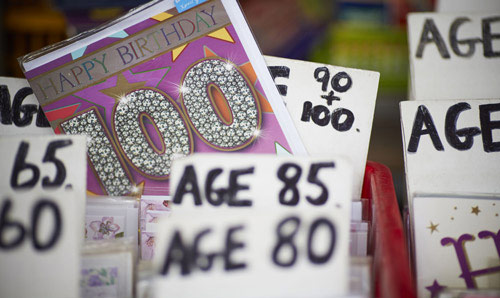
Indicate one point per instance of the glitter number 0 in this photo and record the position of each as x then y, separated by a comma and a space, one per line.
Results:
221, 104
130, 115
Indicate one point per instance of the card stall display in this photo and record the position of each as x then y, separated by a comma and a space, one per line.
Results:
171, 80
156, 85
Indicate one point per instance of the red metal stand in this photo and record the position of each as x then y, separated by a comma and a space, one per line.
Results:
386, 242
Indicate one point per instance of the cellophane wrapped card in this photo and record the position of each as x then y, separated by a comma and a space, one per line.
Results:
156, 85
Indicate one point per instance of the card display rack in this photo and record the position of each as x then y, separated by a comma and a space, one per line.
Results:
386, 239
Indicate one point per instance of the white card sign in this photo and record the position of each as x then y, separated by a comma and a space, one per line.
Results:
19, 109
451, 146
239, 181
332, 108
262, 213
457, 243
454, 56
252, 252
469, 6
41, 215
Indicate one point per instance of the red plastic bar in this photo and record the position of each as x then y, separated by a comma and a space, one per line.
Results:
387, 245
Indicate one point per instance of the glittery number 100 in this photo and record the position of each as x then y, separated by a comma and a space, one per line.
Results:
225, 125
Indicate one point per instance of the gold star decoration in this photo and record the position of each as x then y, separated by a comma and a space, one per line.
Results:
122, 87
433, 227
475, 210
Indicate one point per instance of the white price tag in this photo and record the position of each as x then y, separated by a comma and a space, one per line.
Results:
451, 146
239, 181
332, 108
454, 56
41, 215
252, 252
19, 109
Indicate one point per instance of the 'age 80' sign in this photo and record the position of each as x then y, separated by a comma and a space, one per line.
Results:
42, 201
252, 252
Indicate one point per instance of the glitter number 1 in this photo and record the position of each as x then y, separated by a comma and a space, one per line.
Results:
108, 166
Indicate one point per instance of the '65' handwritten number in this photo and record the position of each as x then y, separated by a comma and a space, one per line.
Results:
20, 164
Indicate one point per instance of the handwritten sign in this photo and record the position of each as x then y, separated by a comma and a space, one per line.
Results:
238, 181
332, 108
476, 6
241, 220
19, 109
451, 146
41, 215
252, 252
457, 241
454, 56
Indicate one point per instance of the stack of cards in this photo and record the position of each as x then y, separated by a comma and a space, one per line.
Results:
107, 269
152, 209
451, 140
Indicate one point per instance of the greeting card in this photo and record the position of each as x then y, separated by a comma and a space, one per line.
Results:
148, 245
457, 243
107, 269
111, 218
156, 85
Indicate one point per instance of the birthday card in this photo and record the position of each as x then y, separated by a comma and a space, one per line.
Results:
457, 243
161, 83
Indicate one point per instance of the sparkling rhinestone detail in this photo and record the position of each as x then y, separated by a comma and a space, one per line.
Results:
100, 152
167, 118
245, 111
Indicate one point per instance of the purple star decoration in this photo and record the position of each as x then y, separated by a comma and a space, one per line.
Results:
435, 289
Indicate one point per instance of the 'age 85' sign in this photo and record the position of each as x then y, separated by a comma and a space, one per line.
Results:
261, 180
41, 210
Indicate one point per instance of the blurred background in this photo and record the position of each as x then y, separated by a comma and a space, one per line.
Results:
366, 34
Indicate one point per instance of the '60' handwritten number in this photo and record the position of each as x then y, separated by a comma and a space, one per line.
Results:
23, 232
